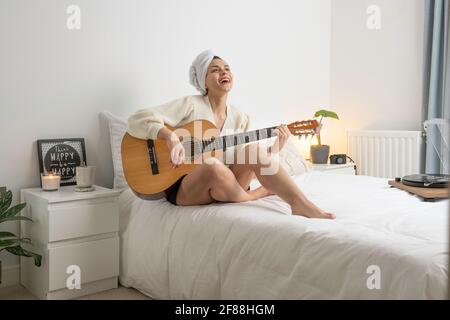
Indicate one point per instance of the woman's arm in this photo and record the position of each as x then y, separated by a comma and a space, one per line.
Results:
146, 123
150, 124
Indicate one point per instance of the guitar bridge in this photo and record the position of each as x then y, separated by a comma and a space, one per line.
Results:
152, 155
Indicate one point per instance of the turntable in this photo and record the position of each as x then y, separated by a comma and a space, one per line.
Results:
430, 187
427, 180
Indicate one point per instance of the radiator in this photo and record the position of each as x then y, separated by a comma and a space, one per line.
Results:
386, 154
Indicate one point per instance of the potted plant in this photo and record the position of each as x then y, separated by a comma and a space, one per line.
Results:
9, 241
320, 152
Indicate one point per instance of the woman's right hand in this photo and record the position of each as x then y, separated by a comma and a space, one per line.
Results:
176, 149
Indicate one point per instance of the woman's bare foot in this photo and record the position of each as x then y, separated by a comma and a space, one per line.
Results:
307, 209
259, 193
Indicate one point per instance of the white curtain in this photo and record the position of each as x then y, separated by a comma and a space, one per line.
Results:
437, 85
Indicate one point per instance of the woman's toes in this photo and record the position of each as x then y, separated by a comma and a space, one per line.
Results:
309, 210
329, 216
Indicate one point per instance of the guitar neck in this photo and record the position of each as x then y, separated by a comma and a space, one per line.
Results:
224, 142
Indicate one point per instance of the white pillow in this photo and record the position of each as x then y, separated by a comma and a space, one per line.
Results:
117, 129
291, 159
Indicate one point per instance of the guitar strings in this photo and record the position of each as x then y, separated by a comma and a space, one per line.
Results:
222, 142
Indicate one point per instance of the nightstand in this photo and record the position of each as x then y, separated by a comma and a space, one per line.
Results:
346, 168
72, 231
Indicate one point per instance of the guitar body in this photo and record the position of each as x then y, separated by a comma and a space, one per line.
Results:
149, 180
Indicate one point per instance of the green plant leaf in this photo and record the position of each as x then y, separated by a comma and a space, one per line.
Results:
7, 243
19, 251
11, 242
5, 201
326, 114
5, 234
11, 212
15, 219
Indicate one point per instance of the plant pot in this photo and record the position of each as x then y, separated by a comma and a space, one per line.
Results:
319, 154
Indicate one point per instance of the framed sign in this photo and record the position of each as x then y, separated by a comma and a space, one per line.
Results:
61, 156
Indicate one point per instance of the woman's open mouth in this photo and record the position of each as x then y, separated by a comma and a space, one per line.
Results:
224, 80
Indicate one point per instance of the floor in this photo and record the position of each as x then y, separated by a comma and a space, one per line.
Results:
121, 293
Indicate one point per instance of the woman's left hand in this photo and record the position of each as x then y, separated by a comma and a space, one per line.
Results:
283, 135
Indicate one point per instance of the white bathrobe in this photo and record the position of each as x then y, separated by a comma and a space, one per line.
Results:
145, 123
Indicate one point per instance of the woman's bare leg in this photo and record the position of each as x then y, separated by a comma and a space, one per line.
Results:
212, 182
244, 175
274, 178
215, 182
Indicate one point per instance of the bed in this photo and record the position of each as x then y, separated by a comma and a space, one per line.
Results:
384, 244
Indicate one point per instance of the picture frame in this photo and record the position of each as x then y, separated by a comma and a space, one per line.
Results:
61, 156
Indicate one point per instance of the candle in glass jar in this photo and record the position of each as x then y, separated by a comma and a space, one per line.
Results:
50, 182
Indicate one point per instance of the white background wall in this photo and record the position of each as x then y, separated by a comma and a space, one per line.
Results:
376, 75
134, 54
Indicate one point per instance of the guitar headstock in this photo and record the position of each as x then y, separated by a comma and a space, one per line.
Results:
304, 128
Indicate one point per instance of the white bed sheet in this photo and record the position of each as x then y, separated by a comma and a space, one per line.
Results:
258, 250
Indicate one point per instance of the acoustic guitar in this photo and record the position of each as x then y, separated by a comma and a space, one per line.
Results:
147, 166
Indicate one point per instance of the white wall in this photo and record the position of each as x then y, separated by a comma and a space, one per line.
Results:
134, 54
376, 75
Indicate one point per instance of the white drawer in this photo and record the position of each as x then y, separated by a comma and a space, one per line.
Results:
81, 219
97, 260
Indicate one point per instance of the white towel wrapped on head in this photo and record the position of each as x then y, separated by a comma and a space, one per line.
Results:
198, 70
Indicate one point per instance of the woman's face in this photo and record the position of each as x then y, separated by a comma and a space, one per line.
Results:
219, 78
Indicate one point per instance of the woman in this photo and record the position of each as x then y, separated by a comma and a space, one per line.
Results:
215, 181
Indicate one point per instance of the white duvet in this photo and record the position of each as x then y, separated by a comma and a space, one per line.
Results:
384, 244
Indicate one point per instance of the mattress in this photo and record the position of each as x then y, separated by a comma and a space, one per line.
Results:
384, 244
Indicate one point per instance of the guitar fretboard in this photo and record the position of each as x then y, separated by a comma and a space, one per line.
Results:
224, 142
